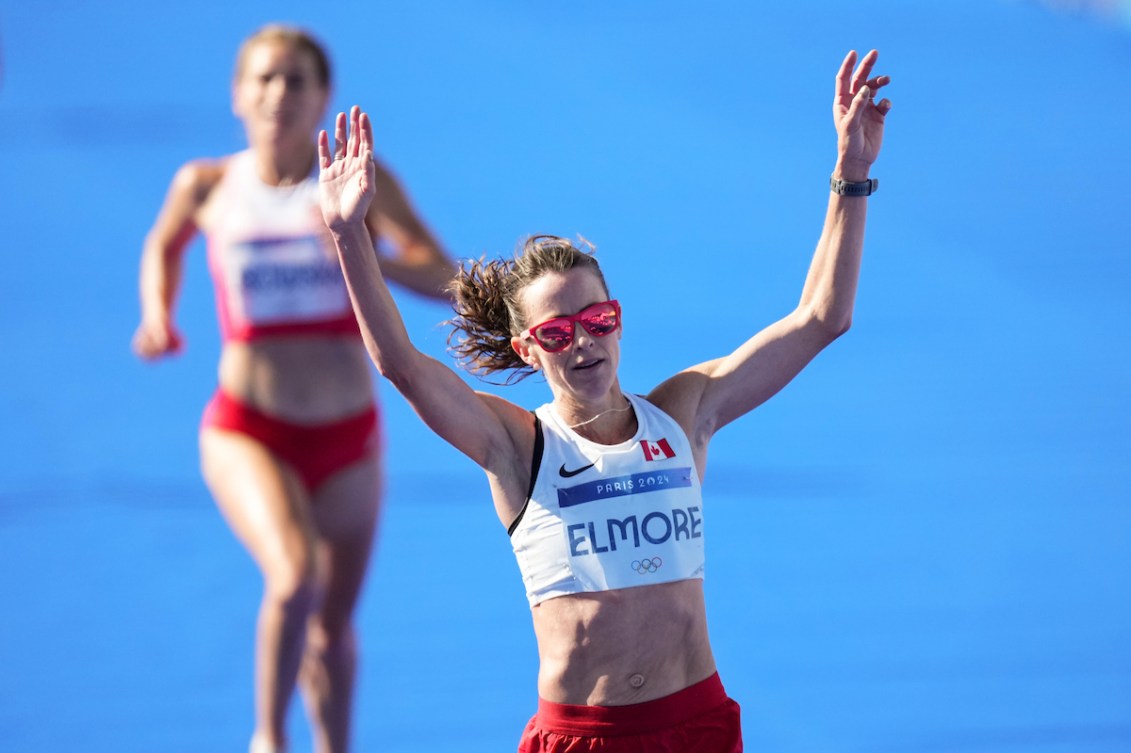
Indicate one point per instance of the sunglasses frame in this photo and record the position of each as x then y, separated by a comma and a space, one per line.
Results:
573, 320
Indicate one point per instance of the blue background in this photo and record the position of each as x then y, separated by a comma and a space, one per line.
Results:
923, 544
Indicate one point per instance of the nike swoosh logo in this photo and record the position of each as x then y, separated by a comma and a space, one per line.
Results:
568, 474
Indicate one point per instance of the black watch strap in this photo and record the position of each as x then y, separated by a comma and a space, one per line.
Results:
846, 188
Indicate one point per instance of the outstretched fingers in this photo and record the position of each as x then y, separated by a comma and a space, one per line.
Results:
366, 126
359, 143
851, 78
351, 141
353, 137
856, 87
324, 158
844, 78
340, 136
348, 171
863, 71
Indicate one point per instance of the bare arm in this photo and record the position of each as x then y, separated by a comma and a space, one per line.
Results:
710, 395
161, 259
494, 433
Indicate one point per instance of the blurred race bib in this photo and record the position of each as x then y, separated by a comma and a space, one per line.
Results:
284, 280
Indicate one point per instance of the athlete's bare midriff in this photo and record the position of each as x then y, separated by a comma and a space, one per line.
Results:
303, 379
614, 648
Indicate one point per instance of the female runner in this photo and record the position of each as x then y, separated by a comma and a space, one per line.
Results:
599, 488
290, 443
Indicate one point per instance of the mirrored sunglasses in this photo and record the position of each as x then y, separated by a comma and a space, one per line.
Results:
554, 335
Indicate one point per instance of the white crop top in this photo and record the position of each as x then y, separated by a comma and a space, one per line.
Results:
604, 517
274, 270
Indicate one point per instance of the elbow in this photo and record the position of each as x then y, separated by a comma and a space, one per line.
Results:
398, 377
830, 325
838, 326
388, 369
398, 371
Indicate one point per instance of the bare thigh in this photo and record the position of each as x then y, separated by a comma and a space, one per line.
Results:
346, 510
265, 504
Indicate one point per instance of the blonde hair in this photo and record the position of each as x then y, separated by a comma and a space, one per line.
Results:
292, 36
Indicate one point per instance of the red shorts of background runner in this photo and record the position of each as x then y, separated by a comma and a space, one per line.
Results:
698, 719
315, 452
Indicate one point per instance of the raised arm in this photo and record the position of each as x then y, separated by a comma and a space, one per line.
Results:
706, 397
488, 429
162, 259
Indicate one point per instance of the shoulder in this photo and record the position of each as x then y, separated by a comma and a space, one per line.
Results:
195, 180
657, 415
681, 397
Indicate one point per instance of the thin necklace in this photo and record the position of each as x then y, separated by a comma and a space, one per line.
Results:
602, 413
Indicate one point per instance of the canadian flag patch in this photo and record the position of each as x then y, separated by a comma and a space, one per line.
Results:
658, 450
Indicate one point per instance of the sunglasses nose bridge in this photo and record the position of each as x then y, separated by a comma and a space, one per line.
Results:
575, 330
582, 337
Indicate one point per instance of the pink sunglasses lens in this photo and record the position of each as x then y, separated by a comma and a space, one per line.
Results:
600, 321
555, 334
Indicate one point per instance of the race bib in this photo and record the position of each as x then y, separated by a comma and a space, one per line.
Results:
284, 280
630, 531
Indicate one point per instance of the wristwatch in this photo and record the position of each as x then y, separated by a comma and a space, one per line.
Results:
846, 188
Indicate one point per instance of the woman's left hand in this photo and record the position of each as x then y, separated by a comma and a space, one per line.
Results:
346, 182
859, 118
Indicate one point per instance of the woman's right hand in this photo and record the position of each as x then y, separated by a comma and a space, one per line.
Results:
155, 338
346, 181
859, 119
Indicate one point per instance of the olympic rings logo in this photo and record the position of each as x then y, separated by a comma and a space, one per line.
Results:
647, 566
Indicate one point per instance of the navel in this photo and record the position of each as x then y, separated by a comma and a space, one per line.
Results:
636, 681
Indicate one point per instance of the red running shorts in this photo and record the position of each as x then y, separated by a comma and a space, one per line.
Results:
315, 452
697, 719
